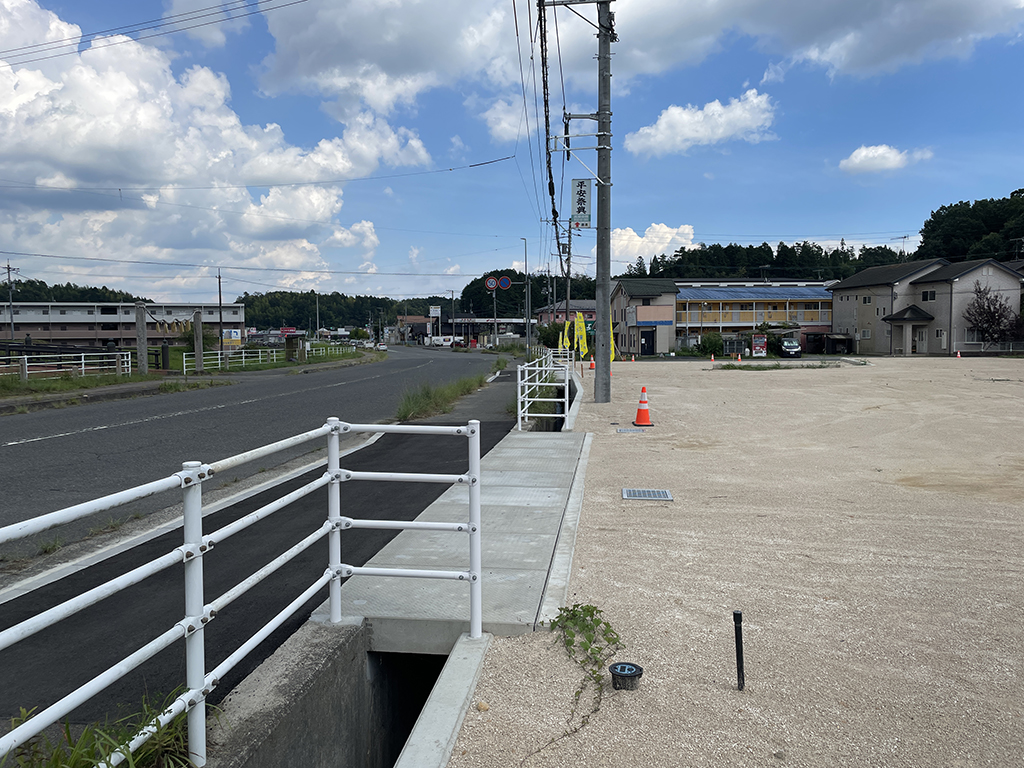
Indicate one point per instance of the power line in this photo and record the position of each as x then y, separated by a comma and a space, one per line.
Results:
73, 43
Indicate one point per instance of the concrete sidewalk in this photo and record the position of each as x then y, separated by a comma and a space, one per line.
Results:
867, 520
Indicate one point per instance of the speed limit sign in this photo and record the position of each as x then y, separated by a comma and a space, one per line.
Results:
491, 283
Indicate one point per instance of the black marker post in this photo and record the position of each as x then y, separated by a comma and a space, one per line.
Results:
737, 620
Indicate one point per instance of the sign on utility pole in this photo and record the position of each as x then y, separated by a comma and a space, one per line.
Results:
580, 218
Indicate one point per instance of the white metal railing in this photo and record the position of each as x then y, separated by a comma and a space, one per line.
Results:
534, 380
200, 682
56, 366
216, 360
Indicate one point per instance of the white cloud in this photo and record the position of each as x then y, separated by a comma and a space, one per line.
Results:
658, 239
119, 118
454, 269
747, 118
881, 157
203, 24
414, 254
504, 118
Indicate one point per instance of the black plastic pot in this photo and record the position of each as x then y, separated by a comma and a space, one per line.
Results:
625, 675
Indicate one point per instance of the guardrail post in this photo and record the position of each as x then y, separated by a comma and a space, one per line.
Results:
520, 397
476, 603
334, 515
195, 651
23, 368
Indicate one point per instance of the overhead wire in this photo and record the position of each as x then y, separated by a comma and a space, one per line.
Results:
111, 43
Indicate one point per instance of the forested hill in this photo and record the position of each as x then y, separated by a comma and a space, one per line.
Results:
38, 290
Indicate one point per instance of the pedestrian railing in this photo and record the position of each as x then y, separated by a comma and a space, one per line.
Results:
200, 681
978, 347
240, 358
538, 383
57, 366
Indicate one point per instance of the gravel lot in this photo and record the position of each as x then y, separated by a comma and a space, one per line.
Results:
868, 523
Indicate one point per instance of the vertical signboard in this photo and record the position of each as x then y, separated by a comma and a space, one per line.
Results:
580, 217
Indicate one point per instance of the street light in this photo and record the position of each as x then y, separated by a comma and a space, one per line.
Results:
526, 268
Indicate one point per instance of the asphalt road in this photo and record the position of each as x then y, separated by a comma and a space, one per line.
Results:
48, 665
52, 459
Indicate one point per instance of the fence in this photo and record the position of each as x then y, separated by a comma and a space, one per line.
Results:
977, 347
56, 366
534, 382
190, 479
240, 358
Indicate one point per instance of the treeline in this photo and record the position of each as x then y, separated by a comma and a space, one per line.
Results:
38, 290
964, 231
281, 309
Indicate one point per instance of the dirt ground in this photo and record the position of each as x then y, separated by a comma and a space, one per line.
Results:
867, 520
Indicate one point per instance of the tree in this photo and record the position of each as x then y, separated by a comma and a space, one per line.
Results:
990, 316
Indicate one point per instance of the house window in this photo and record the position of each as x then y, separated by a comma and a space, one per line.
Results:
46, 311
90, 312
169, 312
878, 311
645, 302
867, 299
938, 333
234, 311
63, 311
866, 333
126, 312
927, 296
63, 327
921, 335
888, 330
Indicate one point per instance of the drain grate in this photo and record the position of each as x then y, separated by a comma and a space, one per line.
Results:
628, 429
646, 493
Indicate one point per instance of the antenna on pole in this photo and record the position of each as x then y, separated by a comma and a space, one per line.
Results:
903, 245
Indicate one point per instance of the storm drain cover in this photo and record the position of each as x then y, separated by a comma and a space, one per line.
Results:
628, 429
646, 493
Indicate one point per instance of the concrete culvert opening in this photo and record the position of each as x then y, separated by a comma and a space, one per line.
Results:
403, 681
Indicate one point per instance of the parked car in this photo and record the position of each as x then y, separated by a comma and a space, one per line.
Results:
382, 347
458, 344
791, 348
367, 345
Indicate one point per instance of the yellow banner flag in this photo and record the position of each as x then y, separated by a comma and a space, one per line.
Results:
581, 335
611, 337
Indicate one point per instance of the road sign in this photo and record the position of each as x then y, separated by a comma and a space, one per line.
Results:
491, 283
505, 282
435, 311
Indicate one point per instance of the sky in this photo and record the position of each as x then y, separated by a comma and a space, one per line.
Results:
396, 147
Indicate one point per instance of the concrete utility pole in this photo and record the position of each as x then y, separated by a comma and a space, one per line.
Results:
10, 296
602, 324
141, 338
529, 317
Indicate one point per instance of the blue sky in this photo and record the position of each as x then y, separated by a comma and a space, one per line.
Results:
323, 145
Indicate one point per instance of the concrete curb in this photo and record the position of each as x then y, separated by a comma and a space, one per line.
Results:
556, 590
433, 737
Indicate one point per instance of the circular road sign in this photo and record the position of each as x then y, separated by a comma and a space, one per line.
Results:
491, 283
505, 282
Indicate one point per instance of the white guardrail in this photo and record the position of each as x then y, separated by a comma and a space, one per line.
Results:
240, 358
199, 681
56, 366
534, 379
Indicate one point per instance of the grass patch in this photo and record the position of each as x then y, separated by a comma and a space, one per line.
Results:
429, 400
51, 546
174, 385
774, 366
11, 386
112, 524
499, 365
95, 743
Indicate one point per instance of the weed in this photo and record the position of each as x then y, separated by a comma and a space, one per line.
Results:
499, 365
21, 409
51, 546
112, 524
429, 400
590, 641
95, 743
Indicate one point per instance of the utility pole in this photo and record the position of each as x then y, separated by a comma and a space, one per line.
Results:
10, 296
220, 306
602, 325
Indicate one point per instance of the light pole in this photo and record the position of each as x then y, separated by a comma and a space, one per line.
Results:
526, 268
452, 292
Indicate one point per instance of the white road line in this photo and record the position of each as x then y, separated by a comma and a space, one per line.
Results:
194, 411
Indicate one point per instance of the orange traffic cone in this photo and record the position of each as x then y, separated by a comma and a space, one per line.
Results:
592, 366
643, 414
632, 358
712, 357
958, 354
739, 358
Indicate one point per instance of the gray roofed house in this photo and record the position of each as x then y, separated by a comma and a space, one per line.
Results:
917, 307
